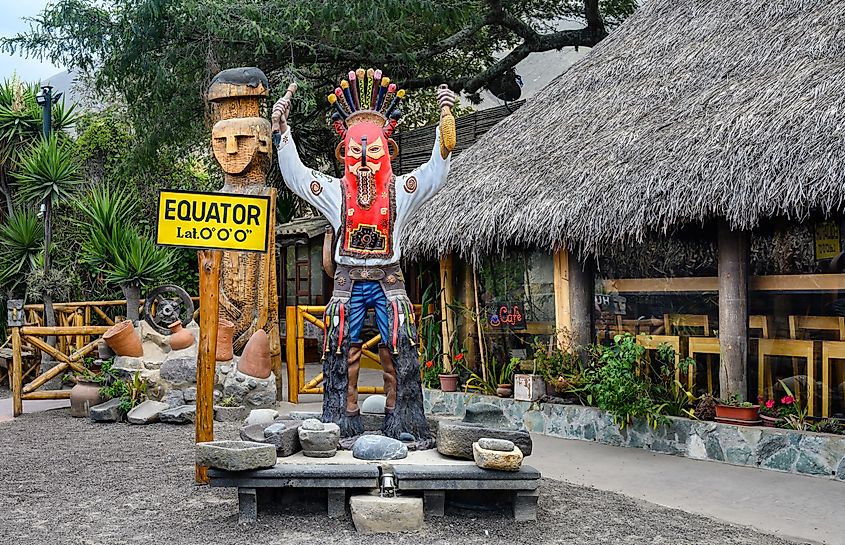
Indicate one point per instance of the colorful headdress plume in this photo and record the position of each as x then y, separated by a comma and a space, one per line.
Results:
367, 95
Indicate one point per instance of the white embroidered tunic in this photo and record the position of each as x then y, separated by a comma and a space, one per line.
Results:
324, 193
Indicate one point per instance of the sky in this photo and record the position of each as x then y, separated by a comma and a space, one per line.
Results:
11, 22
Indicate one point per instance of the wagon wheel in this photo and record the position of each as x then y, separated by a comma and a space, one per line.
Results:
166, 304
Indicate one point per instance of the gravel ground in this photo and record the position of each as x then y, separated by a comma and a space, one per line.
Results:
5, 392
67, 481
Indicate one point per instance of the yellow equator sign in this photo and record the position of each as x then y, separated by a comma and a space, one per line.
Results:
224, 221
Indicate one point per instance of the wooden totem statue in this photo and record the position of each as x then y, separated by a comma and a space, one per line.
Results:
241, 142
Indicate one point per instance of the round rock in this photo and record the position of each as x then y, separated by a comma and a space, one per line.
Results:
312, 424
379, 447
374, 404
261, 416
500, 445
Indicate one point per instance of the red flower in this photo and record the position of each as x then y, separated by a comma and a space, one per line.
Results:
429, 364
787, 400
459, 357
770, 404
759, 399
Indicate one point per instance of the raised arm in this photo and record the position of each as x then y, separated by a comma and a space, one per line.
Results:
318, 189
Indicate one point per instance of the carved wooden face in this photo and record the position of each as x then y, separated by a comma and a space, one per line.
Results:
238, 142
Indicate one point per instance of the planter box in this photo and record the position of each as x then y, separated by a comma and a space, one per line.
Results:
528, 387
800, 452
740, 416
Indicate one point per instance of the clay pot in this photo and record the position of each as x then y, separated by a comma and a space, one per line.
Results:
769, 421
180, 337
504, 390
739, 416
121, 338
448, 382
255, 359
225, 333
83, 396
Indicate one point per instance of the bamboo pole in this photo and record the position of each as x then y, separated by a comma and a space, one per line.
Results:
50, 394
103, 315
67, 330
40, 380
85, 350
300, 346
446, 295
209, 272
290, 354
481, 342
17, 372
44, 347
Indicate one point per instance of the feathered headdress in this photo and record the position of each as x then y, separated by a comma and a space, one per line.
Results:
366, 96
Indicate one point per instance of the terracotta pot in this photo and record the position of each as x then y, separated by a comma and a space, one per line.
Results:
121, 338
740, 416
180, 338
83, 396
448, 382
255, 359
504, 390
769, 421
225, 333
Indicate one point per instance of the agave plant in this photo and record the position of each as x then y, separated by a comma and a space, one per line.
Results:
21, 244
48, 171
125, 256
136, 261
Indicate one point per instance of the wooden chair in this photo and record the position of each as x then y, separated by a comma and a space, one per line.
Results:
800, 325
831, 350
761, 322
685, 322
654, 342
789, 348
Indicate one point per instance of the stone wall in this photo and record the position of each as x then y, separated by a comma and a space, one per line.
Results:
805, 453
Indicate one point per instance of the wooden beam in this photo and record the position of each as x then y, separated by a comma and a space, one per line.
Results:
209, 272
774, 282
17, 372
48, 394
733, 311
447, 275
469, 321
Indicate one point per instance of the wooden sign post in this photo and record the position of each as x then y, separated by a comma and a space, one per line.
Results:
209, 268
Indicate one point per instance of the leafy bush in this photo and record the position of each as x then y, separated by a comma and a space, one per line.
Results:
616, 387
558, 364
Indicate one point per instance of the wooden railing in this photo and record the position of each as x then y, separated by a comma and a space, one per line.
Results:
34, 337
296, 316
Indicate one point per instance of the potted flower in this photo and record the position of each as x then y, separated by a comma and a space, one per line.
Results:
449, 381
732, 410
773, 412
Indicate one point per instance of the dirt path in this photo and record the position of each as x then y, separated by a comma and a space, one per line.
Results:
67, 481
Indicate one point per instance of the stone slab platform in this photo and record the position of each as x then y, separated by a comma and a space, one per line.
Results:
425, 472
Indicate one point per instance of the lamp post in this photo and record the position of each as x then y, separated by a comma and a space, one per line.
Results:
46, 99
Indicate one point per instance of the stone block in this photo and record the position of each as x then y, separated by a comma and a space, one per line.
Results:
319, 440
183, 414
253, 433
190, 394
250, 391
179, 369
379, 447
502, 445
525, 505
261, 416
376, 515
497, 459
456, 438
230, 414
487, 414
106, 412
374, 404
235, 455
146, 412
284, 436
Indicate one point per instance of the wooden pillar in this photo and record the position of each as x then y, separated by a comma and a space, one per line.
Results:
563, 311
733, 311
574, 295
17, 373
290, 354
447, 268
209, 271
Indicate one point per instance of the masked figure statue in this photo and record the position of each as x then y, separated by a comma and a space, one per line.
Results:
366, 209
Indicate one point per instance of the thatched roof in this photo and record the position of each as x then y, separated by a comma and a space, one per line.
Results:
692, 109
